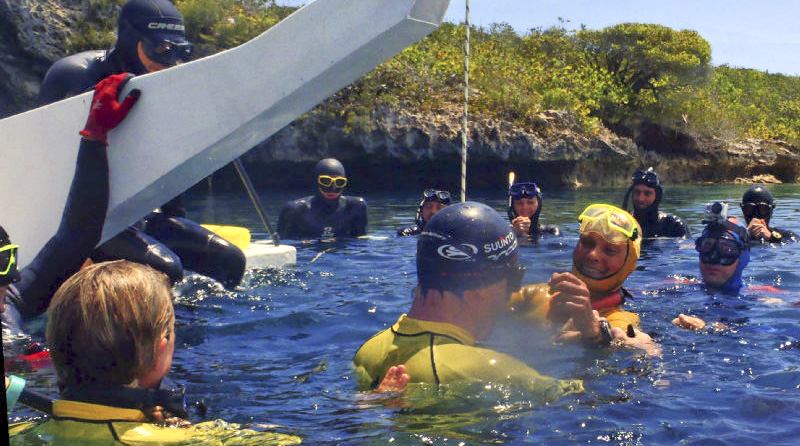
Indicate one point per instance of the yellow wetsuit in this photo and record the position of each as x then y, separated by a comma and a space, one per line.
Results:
77, 423
533, 302
441, 353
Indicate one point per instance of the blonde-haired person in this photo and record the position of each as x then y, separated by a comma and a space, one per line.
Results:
588, 301
111, 331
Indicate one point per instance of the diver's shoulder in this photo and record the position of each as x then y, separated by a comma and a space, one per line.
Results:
354, 201
299, 203
75, 63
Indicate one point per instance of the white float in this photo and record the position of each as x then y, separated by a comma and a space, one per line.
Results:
195, 118
263, 254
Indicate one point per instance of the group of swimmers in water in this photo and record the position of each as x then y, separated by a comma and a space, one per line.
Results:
111, 320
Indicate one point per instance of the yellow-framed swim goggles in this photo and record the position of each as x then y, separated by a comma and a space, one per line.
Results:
8, 261
614, 224
329, 181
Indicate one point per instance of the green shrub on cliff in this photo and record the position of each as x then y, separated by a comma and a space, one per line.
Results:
98, 29
623, 74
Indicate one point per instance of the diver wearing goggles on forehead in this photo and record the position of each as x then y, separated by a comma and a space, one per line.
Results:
757, 207
588, 301
524, 209
433, 201
327, 214
646, 193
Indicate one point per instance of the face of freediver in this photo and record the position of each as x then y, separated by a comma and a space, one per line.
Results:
331, 187
643, 196
597, 258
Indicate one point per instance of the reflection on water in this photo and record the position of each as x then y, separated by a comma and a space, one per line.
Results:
278, 349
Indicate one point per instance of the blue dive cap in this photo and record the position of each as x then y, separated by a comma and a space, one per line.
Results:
467, 246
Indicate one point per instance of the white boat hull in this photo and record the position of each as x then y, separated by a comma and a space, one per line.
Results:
195, 118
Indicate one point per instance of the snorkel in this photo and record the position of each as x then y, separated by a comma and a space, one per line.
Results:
617, 227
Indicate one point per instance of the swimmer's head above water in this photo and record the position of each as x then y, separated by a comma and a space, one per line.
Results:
467, 257
433, 201
331, 178
757, 202
608, 248
724, 252
524, 200
645, 190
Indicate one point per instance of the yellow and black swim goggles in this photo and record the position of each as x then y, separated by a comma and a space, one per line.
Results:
613, 223
8, 264
329, 181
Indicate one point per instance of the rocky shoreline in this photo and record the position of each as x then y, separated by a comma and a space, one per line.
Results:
403, 146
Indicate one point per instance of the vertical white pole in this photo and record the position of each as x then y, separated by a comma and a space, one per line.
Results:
465, 123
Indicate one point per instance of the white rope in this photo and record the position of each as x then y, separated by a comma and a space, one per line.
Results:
465, 123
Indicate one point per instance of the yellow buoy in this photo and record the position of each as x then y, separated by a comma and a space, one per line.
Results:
237, 235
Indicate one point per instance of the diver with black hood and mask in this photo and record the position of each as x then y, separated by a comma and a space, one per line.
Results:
150, 37
433, 201
524, 209
757, 206
327, 214
646, 193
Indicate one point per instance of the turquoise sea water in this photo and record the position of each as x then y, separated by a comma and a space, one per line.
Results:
278, 350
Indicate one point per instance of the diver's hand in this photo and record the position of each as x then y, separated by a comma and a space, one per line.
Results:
572, 300
107, 112
587, 330
521, 225
758, 229
689, 322
640, 340
395, 380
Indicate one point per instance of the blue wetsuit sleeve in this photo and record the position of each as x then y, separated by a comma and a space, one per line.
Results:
79, 232
360, 222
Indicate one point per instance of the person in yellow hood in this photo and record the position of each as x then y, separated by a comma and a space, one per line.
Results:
589, 300
111, 331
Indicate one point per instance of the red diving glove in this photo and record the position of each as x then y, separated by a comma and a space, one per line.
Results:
107, 112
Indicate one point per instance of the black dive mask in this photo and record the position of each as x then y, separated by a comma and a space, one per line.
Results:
647, 177
166, 52
757, 210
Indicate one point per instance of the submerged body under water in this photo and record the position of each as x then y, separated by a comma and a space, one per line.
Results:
277, 351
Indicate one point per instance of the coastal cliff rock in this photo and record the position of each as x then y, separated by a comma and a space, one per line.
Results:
33, 34
402, 146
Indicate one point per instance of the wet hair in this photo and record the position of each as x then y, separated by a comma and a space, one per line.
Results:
105, 323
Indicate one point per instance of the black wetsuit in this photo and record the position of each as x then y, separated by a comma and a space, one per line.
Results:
778, 236
165, 240
539, 230
314, 217
77, 235
655, 223
409, 231
536, 230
